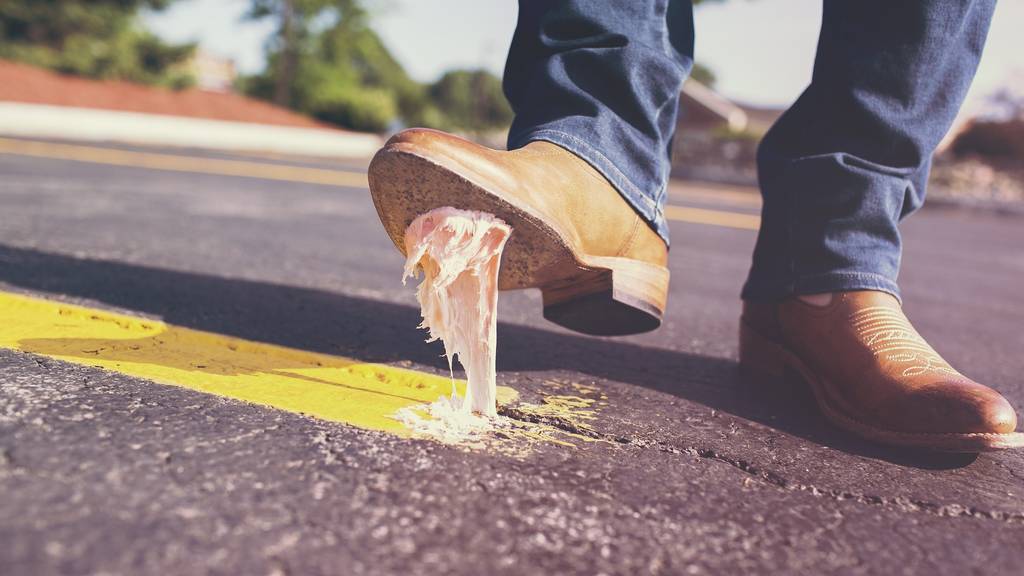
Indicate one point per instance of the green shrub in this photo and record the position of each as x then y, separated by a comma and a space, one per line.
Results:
98, 39
366, 109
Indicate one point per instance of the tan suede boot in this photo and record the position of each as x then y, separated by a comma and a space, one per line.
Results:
601, 268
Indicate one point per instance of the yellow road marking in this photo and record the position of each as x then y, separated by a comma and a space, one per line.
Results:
733, 195
176, 163
289, 174
320, 385
713, 217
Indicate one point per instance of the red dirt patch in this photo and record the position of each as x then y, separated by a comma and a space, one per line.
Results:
21, 83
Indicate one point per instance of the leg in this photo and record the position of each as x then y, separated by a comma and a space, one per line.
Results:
850, 159
602, 80
838, 172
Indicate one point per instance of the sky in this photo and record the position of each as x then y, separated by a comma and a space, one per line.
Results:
762, 51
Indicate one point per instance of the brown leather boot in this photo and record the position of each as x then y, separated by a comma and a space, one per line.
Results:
601, 268
872, 373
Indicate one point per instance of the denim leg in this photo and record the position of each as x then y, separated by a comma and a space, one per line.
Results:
602, 79
850, 158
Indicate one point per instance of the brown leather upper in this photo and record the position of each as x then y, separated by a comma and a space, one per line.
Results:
877, 369
556, 185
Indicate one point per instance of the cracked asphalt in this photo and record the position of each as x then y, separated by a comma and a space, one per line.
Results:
690, 469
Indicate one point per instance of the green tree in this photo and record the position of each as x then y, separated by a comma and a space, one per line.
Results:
471, 100
95, 38
294, 20
327, 61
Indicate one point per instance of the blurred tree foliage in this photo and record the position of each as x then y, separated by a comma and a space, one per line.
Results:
95, 38
326, 60
703, 74
471, 100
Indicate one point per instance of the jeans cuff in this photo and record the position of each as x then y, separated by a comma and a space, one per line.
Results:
645, 205
845, 282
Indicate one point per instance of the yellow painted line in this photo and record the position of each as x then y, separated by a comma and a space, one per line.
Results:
713, 217
176, 163
321, 385
720, 195
289, 174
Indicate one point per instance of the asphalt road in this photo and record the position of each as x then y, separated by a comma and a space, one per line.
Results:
688, 469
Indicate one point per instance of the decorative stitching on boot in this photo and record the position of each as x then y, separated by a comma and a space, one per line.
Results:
889, 334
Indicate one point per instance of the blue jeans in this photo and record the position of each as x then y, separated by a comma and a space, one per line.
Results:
838, 171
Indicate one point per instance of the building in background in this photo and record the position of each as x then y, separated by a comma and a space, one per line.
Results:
716, 138
212, 73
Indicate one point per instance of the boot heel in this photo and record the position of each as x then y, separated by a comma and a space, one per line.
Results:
759, 356
614, 297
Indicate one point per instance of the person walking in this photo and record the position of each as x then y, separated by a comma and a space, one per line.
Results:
595, 90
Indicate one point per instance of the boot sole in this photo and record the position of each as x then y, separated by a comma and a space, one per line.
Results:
761, 357
603, 296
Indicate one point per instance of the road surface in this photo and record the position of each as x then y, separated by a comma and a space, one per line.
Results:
667, 463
